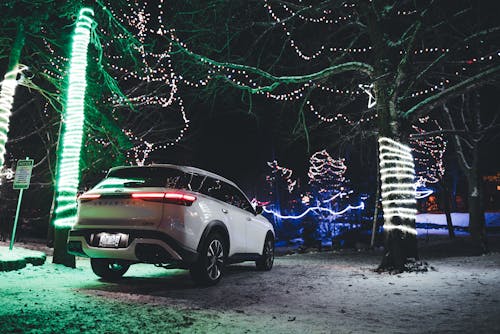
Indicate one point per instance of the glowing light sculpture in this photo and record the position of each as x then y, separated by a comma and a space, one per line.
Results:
397, 172
371, 98
70, 142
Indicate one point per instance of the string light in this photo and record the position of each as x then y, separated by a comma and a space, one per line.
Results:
156, 67
284, 172
428, 151
398, 187
326, 170
340, 194
8, 89
361, 206
159, 66
68, 171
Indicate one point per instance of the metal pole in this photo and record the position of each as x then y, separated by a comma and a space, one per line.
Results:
13, 236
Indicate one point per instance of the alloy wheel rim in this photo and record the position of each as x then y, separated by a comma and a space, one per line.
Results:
269, 253
215, 257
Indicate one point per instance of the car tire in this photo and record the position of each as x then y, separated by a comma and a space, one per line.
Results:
266, 260
109, 269
209, 268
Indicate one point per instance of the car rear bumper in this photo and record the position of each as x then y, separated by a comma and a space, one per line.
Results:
140, 246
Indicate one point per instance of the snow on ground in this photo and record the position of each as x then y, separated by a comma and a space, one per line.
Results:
460, 219
18, 257
329, 292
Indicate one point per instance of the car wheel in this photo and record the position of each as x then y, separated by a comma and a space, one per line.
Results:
109, 269
209, 268
266, 261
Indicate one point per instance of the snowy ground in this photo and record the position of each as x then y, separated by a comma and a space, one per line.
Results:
459, 219
330, 292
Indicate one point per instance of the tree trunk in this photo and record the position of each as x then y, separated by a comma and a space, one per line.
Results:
61, 255
399, 205
477, 222
375, 211
397, 170
8, 88
447, 210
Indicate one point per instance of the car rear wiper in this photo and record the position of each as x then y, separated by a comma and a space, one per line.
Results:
135, 184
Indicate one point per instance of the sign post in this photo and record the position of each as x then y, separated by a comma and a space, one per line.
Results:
21, 181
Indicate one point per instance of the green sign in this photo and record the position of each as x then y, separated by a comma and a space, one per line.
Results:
23, 174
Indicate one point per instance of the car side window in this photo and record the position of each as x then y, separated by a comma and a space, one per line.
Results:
236, 198
213, 188
225, 192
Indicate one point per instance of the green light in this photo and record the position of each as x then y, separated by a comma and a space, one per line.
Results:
8, 89
68, 171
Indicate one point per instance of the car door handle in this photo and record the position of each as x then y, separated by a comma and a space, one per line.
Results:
224, 210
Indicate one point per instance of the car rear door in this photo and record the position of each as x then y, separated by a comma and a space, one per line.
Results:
244, 213
235, 222
255, 230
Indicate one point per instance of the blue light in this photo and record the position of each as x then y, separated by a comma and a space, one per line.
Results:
361, 206
423, 193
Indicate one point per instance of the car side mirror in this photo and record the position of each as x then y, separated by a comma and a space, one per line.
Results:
258, 210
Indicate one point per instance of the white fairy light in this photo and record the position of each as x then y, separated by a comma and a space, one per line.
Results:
398, 188
285, 173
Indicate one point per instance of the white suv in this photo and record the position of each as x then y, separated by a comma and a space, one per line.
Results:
172, 216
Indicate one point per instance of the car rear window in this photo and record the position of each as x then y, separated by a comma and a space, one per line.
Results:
135, 177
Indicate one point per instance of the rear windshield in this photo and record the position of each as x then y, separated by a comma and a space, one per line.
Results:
135, 177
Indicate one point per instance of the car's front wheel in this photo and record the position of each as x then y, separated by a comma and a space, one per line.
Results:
109, 269
265, 262
209, 268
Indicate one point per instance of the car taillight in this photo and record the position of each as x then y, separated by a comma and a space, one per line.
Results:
179, 198
88, 197
169, 197
148, 195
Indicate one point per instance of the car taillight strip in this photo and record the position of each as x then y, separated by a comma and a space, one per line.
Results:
89, 196
148, 195
169, 197
177, 196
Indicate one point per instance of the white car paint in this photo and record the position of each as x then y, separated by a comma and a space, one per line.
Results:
115, 211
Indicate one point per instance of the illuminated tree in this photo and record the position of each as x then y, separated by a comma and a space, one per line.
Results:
327, 174
402, 58
402, 55
429, 146
279, 172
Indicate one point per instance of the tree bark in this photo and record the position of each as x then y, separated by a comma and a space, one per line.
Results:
375, 211
398, 193
447, 210
470, 168
477, 222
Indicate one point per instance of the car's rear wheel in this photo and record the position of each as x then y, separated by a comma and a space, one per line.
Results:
266, 261
109, 269
209, 268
